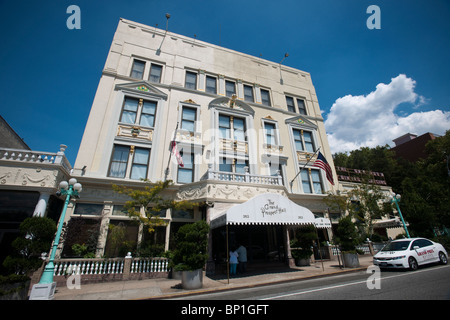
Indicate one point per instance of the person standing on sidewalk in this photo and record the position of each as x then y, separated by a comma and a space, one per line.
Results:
242, 258
233, 261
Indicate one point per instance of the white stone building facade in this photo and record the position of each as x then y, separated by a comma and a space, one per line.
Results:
244, 126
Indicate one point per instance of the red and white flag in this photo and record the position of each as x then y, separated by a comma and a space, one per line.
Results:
177, 154
322, 163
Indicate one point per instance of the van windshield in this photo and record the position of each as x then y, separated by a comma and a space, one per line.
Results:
397, 246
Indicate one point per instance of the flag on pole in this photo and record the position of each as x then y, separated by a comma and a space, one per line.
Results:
177, 154
322, 163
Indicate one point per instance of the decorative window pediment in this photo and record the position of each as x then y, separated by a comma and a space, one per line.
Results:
227, 103
142, 87
301, 121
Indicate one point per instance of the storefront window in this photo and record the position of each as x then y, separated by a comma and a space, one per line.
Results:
88, 209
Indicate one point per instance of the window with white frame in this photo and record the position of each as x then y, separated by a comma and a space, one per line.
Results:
248, 93
119, 161
139, 165
265, 97
137, 70
233, 164
290, 104
301, 106
155, 73
230, 88
303, 140
126, 159
270, 131
296, 104
312, 181
275, 169
90, 209
191, 80
231, 127
138, 111
119, 210
211, 84
186, 173
188, 118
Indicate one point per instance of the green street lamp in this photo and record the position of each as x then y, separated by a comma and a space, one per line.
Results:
46, 286
395, 198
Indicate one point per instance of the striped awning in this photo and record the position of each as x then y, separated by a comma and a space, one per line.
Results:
390, 223
268, 209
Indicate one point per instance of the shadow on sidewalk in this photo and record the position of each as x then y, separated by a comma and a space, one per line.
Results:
256, 270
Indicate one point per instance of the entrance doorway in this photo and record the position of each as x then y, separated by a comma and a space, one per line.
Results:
264, 243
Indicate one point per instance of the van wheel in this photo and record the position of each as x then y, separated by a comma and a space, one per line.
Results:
412, 264
442, 258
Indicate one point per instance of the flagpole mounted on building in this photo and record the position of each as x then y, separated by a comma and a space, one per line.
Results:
173, 150
292, 181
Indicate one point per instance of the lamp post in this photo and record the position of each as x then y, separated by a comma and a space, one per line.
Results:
395, 198
46, 287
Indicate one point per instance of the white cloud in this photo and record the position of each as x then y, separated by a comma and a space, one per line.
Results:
369, 121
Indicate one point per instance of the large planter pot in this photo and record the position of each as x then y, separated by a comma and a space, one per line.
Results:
192, 279
176, 275
301, 262
350, 260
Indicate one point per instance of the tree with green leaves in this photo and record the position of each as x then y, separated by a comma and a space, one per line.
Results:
364, 203
425, 201
370, 204
424, 185
154, 198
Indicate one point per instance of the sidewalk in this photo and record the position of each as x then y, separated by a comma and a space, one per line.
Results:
164, 288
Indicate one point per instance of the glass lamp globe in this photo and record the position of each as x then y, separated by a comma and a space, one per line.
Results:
77, 186
64, 185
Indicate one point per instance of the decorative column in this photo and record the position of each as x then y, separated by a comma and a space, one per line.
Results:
210, 264
41, 206
60, 154
104, 225
290, 259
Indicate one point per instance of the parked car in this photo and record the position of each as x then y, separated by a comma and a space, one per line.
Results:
410, 254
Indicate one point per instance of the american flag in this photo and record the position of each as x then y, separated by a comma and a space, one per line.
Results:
177, 154
322, 163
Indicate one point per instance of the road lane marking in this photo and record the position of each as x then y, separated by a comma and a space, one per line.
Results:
348, 284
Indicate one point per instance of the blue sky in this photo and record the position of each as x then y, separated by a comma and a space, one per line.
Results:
372, 85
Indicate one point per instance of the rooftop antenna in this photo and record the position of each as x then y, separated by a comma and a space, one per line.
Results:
154, 33
281, 76
158, 52
285, 56
167, 22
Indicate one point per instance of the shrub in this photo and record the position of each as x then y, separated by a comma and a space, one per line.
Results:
347, 236
36, 236
191, 251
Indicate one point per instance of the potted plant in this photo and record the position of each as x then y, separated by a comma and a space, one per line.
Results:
191, 253
302, 244
347, 238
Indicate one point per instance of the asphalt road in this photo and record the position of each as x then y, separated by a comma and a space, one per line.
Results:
427, 283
